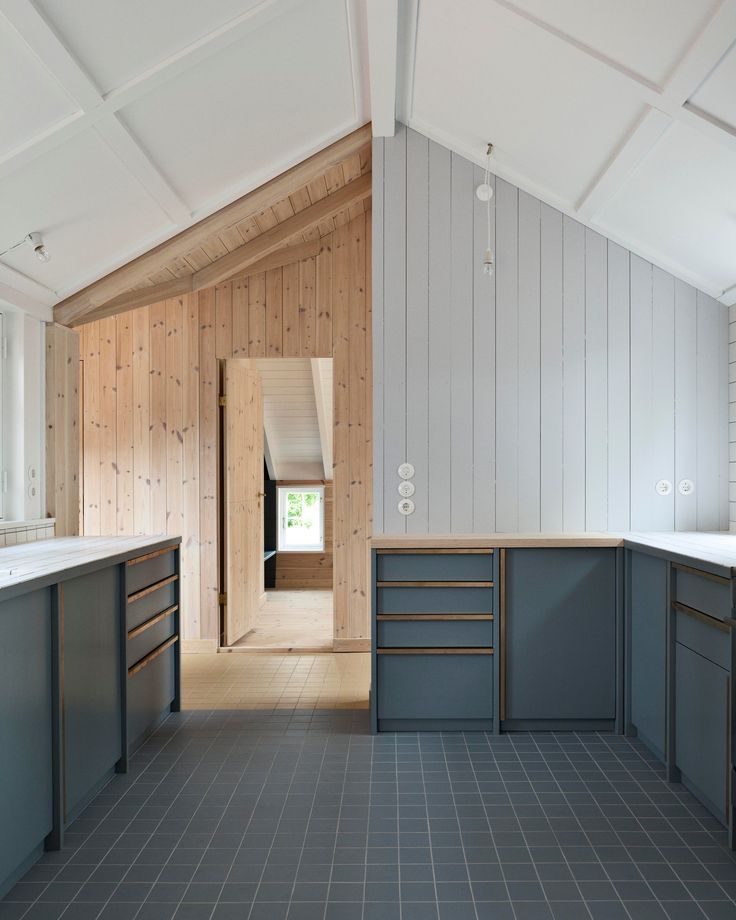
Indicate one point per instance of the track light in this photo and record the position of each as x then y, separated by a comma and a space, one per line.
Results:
42, 253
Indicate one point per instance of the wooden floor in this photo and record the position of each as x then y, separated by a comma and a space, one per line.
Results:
254, 680
292, 621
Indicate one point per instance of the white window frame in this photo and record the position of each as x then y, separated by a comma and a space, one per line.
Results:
309, 548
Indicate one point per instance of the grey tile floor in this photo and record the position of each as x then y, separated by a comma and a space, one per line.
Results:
305, 816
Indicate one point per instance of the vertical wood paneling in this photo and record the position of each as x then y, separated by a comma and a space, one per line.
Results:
642, 483
377, 327
461, 347
62, 428
224, 320
141, 421
662, 428
529, 398
190, 386
573, 375
240, 318
551, 357
619, 386
708, 391
307, 309
174, 461
290, 306
158, 417
108, 427
686, 358
596, 382
274, 312
323, 295
417, 323
257, 316
438, 385
208, 475
124, 425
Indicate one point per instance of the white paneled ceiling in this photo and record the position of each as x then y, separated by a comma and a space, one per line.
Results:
622, 113
122, 123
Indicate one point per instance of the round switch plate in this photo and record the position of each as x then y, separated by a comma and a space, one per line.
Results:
406, 488
406, 471
406, 506
663, 487
685, 487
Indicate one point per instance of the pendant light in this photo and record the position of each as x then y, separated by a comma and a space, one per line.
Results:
484, 193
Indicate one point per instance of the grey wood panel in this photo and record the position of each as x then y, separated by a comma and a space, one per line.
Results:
461, 346
619, 389
440, 311
529, 394
378, 238
417, 324
515, 423
551, 355
507, 356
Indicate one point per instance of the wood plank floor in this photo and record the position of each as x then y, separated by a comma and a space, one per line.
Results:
254, 680
292, 621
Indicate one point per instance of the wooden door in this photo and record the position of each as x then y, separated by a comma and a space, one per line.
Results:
242, 497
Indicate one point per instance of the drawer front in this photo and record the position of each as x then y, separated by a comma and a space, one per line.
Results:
435, 600
434, 634
709, 640
434, 567
434, 686
150, 692
144, 642
140, 575
703, 593
148, 606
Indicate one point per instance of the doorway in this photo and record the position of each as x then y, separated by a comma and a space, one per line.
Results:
277, 505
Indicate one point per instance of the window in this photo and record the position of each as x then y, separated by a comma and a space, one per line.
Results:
301, 519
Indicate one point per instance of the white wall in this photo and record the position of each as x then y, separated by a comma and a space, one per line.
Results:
552, 397
732, 418
23, 415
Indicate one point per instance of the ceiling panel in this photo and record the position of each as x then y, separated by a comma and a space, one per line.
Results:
89, 209
117, 40
647, 37
717, 95
676, 204
233, 120
554, 113
31, 100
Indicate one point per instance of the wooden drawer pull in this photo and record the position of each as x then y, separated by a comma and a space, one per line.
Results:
132, 633
149, 590
434, 584
703, 617
439, 617
152, 656
434, 651
720, 579
153, 555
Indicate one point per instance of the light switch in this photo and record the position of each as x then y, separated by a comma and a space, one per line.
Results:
406, 471
406, 488
663, 487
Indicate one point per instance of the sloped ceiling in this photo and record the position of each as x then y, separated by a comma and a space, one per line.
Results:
622, 113
123, 123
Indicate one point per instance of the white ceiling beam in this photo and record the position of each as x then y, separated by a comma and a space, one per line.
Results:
383, 23
705, 51
324, 415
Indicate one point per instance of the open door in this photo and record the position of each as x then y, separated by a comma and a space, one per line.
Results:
242, 498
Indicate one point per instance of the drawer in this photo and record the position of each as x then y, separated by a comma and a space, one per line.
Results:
434, 566
146, 571
395, 633
410, 599
704, 592
709, 639
150, 604
440, 686
146, 638
150, 693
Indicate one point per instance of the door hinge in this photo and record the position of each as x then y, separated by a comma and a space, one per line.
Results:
222, 600
222, 402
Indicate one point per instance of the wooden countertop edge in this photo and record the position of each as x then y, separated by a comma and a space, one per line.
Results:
495, 540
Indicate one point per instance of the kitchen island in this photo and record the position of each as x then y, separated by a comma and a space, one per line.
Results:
89, 664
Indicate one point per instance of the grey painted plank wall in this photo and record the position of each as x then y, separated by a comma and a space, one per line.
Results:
551, 397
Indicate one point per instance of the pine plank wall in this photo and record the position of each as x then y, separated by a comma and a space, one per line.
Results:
150, 415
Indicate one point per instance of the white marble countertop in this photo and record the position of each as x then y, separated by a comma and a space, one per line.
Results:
42, 562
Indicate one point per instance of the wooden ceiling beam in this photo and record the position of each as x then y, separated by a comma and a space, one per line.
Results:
155, 293
244, 256
72, 310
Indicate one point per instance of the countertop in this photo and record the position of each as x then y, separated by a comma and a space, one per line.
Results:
46, 562
715, 552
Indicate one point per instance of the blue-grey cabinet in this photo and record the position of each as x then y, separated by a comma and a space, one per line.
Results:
91, 683
647, 585
560, 650
26, 698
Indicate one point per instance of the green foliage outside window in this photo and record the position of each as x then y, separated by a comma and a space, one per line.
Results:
297, 505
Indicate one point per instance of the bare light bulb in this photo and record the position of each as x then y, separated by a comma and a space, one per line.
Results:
42, 253
488, 263
484, 192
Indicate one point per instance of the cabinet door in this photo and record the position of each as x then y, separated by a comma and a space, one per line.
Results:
701, 727
648, 623
560, 626
92, 705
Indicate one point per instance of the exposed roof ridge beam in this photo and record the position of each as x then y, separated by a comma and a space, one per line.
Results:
122, 279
